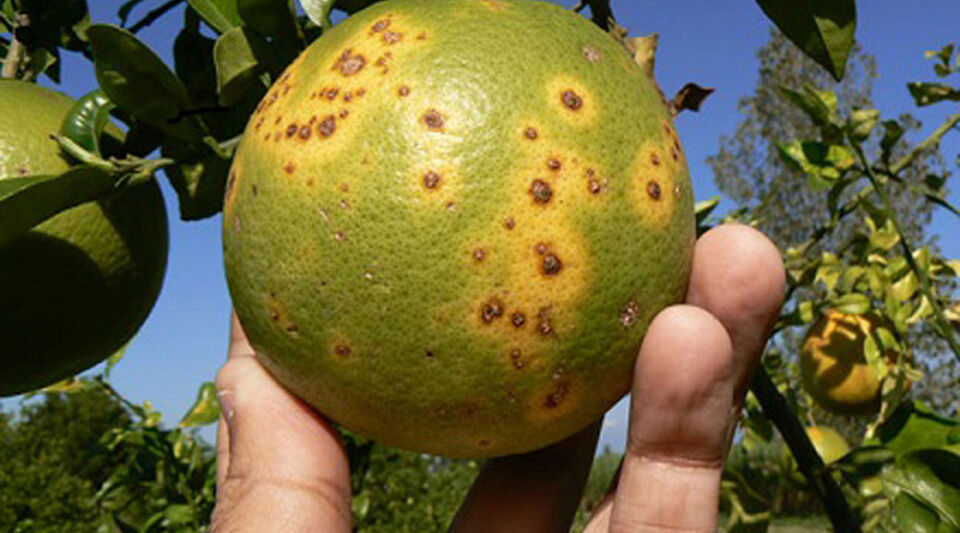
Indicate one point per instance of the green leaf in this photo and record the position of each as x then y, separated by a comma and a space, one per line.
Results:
318, 11
272, 18
861, 123
237, 64
205, 410
113, 360
28, 201
823, 163
914, 426
820, 106
69, 386
893, 132
852, 303
200, 184
222, 15
925, 94
931, 480
140, 83
86, 120
823, 29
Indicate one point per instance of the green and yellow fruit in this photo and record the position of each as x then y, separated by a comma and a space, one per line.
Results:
450, 222
833, 367
75, 288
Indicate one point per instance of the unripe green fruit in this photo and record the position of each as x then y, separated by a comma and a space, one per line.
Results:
74, 289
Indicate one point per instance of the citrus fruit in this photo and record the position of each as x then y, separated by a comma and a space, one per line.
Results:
833, 367
449, 223
74, 289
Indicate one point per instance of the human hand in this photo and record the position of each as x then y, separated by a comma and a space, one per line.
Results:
282, 467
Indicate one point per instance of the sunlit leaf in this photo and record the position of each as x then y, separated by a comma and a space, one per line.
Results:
852, 303
222, 15
823, 29
927, 487
925, 94
237, 64
206, 408
914, 426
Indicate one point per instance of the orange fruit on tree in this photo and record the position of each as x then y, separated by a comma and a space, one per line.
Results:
449, 223
833, 368
75, 288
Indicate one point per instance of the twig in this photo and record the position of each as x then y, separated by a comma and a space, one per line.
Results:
927, 143
811, 465
16, 52
921, 274
152, 16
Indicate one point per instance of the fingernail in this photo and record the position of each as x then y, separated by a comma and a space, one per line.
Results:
225, 398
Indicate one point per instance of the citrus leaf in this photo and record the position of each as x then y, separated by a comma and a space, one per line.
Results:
205, 410
272, 18
28, 201
893, 131
862, 122
925, 94
930, 478
200, 184
318, 11
86, 120
113, 360
140, 83
914, 426
237, 65
820, 106
823, 29
222, 15
852, 303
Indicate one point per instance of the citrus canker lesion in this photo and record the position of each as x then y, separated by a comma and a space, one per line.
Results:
75, 288
495, 273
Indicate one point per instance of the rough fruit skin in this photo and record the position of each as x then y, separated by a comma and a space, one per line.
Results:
833, 368
74, 289
450, 222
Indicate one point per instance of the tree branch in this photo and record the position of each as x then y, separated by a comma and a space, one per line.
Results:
152, 16
927, 143
16, 53
808, 460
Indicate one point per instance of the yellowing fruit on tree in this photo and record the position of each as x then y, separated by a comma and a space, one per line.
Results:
74, 289
449, 223
833, 367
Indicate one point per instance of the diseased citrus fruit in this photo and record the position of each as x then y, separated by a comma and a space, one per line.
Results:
449, 223
833, 367
75, 288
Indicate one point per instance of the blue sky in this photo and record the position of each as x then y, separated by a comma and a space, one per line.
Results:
183, 342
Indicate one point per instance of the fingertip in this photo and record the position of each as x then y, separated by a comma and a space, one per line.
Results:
737, 270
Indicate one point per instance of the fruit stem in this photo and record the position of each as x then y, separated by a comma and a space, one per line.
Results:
946, 331
776, 409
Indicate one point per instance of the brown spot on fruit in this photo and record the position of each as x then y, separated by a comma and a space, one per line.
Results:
349, 64
571, 100
431, 180
628, 315
380, 25
554, 164
530, 133
541, 248
292, 130
518, 319
653, 189
429, 354
231, 180
479, 255
392, 37
360, 92
344, 204
654, 158
403, 91
305, 132
557, 395
491, 311
433, 119
541, 191
289, 167
344, 186
331, 93
592, 54
515, 358
484, 443
674, 153
254, 190
593, 185
340, 236
344, 113
341, 350
544, 326
551, 265
292, 330
421, 36
327, 126
509, 223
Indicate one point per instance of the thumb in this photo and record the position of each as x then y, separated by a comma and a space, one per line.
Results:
281, 466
